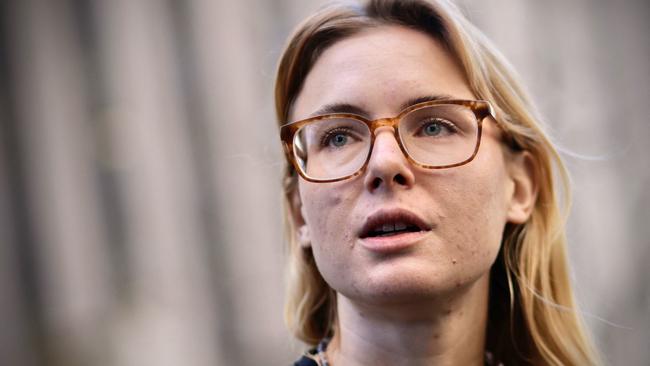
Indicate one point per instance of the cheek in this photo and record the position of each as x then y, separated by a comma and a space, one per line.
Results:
326, 210
475, 212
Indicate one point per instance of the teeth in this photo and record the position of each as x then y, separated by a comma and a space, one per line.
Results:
388, 227
393, 226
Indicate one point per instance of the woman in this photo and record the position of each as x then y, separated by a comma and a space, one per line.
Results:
421, 202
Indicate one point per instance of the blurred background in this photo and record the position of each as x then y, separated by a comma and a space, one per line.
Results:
140, 204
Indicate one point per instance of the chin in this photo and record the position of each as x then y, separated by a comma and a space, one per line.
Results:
410, 280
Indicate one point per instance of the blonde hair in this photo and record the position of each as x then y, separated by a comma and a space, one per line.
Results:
533, 317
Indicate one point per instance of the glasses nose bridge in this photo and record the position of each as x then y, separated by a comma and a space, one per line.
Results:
384, 122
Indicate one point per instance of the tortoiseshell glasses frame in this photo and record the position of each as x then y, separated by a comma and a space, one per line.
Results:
480, 108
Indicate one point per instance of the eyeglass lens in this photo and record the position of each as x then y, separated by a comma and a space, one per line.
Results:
433, 136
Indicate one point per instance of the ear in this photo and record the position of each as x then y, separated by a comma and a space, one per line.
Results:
302, 230
522, 168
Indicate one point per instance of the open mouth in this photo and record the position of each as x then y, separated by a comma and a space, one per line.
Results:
392, 223
390, 229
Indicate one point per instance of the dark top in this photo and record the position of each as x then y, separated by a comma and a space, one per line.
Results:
310, 357
305, 361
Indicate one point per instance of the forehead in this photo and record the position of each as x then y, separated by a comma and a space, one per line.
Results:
378, 70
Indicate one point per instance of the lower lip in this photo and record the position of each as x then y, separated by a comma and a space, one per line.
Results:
393, 243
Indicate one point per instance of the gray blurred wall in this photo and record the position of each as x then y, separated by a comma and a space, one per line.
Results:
140, 218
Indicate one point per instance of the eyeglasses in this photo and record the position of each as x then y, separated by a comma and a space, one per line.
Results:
433, 135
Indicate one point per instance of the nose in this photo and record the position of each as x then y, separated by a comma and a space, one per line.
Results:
388, 168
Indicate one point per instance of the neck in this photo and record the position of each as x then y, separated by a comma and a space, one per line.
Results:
447, 330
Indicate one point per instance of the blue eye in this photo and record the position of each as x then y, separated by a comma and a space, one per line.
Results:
437, 127
432, 129
338, 140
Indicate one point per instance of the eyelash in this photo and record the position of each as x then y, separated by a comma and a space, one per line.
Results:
451, 126
324, 141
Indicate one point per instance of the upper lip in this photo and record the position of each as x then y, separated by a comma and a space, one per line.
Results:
392, 216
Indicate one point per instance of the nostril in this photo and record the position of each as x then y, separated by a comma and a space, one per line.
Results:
376, 183
399, 179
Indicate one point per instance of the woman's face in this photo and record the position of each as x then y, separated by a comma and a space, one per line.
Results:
461, 211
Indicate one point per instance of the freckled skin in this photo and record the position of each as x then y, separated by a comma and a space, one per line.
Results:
378, 70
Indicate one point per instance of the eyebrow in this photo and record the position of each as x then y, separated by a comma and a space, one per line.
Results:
425, 98
342, 107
